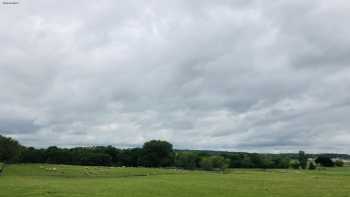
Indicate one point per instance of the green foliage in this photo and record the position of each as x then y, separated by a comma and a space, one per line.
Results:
280, 162
32, 155
135, 157
157, 153
339, 163
154, 153
302, 159
254, 160
247, 162
96, 159
186, 160
220, 162
206, 163
325, 161
214, 163
294, 164
10, 149
129, 157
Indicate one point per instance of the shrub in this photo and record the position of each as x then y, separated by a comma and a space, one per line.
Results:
220, 162
339, 163
214, 162
206, 163
325, 161
96, 159
294, 164
186, 160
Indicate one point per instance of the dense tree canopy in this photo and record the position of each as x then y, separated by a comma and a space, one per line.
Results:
154, 153
295, 164
157, 153
186, 160
9, 149
325, 161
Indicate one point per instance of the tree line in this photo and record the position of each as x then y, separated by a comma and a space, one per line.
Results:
155, 153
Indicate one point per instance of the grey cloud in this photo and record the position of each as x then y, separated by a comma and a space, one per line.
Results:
231, 75
9, 126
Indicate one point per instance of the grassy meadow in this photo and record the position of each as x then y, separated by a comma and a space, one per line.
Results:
35, 180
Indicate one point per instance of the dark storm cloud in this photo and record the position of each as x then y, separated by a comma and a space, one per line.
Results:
234, 75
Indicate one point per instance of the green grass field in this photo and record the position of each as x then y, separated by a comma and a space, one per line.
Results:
35, 180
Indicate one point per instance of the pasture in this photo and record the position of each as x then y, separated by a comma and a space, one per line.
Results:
36, 180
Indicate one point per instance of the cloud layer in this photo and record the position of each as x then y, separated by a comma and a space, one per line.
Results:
239, 75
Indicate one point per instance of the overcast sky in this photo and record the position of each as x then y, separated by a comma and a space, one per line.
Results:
240, 75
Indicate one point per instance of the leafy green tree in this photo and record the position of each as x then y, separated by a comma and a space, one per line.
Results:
256, 160
58, 155
262, 161
294, 164
325, 161
91, 158
235, 160
280, 162
186, 160
130, 157
247, 162
219, 162
157, 153
302, 159
206, 163
32, 155
112, 152
214, 163
10, 149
